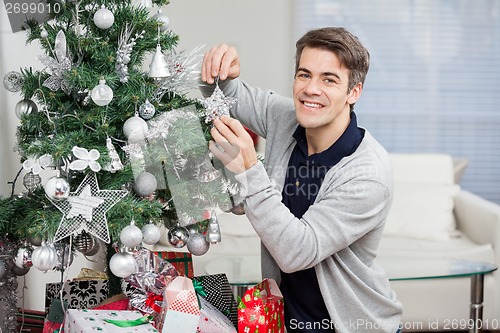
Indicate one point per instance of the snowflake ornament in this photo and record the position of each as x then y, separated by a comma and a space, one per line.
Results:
217, 105
85, 159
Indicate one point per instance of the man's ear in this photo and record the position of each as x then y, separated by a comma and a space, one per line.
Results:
355, 93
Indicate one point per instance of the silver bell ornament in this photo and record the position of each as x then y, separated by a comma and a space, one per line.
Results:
150, 234
44, 257
102, 94
57, 188
178, 236
147, 110
135, 129
13, 81
145, 184
163, 21
158, 69
23, 258
197, 244
25, 106
104, 18
213, 231
122, 264
131, 235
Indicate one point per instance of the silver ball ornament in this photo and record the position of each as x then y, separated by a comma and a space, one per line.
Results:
135, 127
178, 236
102, 94
25, 106
31, 181
84, 242
44, 257
198, 245
57, 188
163, 21
131, 236
147, 110
145, 184
13, 81
122, 264
23, 258
104, 18
150, 234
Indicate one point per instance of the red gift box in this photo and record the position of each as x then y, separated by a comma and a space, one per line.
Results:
182, 261
261, 309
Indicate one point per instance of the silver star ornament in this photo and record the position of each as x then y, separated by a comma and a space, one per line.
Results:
217, 105
85, 210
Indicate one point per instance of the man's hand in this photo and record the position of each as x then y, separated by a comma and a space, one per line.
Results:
222, 61
233, 145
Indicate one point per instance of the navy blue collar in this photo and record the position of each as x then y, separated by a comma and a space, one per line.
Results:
345, 145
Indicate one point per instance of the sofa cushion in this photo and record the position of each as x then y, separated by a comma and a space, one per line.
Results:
432, 168
422, 211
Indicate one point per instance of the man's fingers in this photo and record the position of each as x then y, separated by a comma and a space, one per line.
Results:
224, 151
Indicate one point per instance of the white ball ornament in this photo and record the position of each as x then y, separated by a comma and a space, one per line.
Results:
198, 245
150, 234
135, 126
57, 188
25, 106
44, 257
104, 18
163, 21
122, 264
145, 184
102, 94
131, 236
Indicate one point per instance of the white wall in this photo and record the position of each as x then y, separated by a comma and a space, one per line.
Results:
260, 30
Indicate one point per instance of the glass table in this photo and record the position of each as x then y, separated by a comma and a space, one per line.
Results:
399, 269
244, 271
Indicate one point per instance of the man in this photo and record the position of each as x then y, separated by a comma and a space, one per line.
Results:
320, 204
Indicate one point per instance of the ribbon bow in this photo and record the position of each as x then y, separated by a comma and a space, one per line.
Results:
151, 302
198, 287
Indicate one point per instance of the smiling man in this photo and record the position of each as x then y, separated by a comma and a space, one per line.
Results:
320, 203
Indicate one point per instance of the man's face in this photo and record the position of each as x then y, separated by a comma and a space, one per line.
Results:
320, 92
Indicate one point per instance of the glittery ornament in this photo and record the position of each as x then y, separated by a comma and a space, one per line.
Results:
102, 94
147, 110
150, 234
31, 181
115, 164
57, 188
13, 81
197, 245
104, 18
125, 44
122, 264
163, 21
178, 236
217, 105
23, 258
25, 106
131, 236
59, 64
213, 231
44, 257
135, 127
84, 242
145, 184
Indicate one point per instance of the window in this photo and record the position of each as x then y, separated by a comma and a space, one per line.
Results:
434, 79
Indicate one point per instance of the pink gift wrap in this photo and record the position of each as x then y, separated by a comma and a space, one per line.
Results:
86, 321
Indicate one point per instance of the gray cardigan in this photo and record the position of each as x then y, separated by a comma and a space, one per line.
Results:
340, 232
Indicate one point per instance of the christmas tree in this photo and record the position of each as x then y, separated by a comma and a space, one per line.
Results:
122, 143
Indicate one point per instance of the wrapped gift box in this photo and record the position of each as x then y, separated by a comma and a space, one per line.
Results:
78, 294
83, 321
182, 261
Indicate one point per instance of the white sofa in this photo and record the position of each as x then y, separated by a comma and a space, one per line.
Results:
432, 218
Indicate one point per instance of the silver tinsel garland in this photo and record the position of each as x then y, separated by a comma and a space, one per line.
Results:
8, 287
